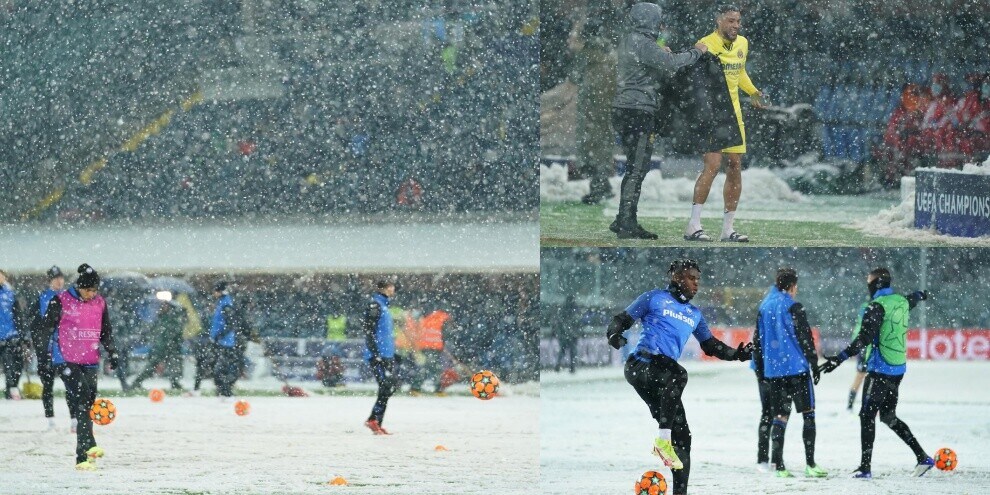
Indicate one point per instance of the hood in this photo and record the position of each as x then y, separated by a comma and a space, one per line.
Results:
645, 18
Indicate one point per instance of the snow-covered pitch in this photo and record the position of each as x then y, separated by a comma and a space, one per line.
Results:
596, 433
197, 445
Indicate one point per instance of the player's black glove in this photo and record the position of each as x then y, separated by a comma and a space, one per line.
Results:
114, 360
923, 295
816, 373
745, 351
831, 363
616, 340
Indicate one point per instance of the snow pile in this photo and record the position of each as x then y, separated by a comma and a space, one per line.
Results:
555, 188
759, 185
977, 168
809, 175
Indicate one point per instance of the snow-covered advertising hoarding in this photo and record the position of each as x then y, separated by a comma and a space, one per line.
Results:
952, 202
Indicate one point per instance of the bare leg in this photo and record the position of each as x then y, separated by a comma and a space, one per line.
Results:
733, 182
854, 388
702, 186
712, 161
858, 381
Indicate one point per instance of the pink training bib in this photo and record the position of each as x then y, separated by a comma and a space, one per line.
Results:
80, 327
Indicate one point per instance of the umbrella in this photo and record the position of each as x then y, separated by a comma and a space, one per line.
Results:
173, 284
126, 281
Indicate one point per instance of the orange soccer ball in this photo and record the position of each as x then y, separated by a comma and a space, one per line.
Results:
103, 411
945, 459
242, 408
651, 483
156, 395
484, 385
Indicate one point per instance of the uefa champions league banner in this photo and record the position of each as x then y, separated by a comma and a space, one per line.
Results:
952, 202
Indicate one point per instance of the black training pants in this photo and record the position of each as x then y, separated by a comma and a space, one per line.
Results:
384, 372
13, 362
880, 393
47, 373
228, 369
766, 419
660, 383
635, 128
80, 382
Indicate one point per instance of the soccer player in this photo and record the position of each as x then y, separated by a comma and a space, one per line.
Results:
732, 51
668, 319
11, 344
882, 337
223, 334
40, 338
784, 353
167, 347
379, 337
79, 322
641, 65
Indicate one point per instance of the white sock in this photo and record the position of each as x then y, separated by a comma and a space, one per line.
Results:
727, 219
664, 433
695, 224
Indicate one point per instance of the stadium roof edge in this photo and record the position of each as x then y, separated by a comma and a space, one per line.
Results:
344, 248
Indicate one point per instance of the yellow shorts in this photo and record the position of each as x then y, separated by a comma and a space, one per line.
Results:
741, 149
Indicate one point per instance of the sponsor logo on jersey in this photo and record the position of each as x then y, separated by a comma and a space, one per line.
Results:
678, 316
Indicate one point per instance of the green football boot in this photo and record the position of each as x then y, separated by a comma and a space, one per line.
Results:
665, 451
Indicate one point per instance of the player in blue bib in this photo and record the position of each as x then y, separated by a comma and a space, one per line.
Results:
669, 319
785, 360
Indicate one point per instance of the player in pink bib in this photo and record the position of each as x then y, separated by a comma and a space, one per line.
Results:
79, 322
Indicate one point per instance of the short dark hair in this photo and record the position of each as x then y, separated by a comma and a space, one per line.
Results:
883, 276
786, 278
726, 8
383, 284
680, 265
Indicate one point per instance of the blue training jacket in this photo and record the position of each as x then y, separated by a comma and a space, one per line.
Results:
384, 330
667, 323
221, 330
782, 355
46, 297
7, 301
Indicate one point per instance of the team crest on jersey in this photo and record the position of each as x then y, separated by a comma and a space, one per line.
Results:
740, 53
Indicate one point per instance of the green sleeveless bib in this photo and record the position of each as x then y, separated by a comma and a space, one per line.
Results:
893, 333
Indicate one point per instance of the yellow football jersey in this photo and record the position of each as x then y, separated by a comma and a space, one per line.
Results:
733, 57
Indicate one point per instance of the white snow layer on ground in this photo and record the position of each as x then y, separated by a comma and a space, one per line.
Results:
554, 186
187, 445
596, 433
765, 196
